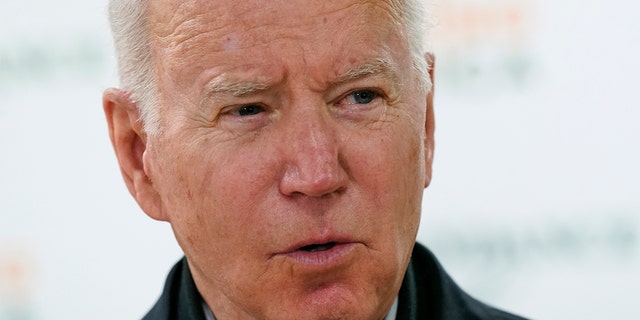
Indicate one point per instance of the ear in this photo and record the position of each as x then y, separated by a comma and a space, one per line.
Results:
430, 124
130, 145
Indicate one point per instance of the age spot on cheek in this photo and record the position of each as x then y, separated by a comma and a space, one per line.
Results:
231, 42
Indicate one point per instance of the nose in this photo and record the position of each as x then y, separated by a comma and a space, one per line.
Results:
313, 162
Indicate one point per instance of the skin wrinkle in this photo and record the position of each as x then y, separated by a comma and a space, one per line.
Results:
180, 42
237, 88
296, 26
145, 87
359, 174
380, 64
265, 40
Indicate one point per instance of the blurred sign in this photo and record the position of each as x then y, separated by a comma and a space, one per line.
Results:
17, 282
484, 47
24, 61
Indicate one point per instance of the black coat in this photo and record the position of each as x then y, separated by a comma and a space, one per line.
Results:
427, 293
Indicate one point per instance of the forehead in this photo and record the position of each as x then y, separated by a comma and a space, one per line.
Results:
200, 36
263, 21
168, 15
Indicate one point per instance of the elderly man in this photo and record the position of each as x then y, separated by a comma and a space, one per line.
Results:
288, 144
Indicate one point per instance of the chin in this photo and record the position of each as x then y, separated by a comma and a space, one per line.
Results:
334, 302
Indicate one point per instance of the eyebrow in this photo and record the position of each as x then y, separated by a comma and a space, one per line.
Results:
239, 88
234, 87
377, 66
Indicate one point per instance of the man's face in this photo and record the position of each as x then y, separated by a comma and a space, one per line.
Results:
291, 161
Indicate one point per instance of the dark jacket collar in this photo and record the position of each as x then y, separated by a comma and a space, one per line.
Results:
180, 299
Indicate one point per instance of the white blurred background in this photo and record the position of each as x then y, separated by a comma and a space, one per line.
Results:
534, 207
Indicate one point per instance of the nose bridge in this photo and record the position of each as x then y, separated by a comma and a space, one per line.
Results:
313, 137
313, 165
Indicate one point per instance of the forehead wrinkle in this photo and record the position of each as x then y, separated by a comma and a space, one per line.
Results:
189, 35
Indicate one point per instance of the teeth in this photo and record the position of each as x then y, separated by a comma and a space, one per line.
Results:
318, 247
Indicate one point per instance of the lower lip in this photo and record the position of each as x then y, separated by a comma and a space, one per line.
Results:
328, 257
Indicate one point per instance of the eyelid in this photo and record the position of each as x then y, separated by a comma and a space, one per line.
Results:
234, 109
379, 93
230, 118
240, 108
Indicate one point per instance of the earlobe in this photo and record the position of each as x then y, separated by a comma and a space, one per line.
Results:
430, 124
130, 145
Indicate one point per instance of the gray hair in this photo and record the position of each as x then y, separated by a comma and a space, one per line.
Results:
137, 72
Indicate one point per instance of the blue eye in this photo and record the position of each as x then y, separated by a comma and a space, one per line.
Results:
362, 97
249, 110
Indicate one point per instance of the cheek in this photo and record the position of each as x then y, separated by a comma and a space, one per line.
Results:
393, 162
213, 195
390, 170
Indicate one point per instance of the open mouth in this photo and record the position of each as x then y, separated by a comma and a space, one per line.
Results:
318, 247
320, 255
